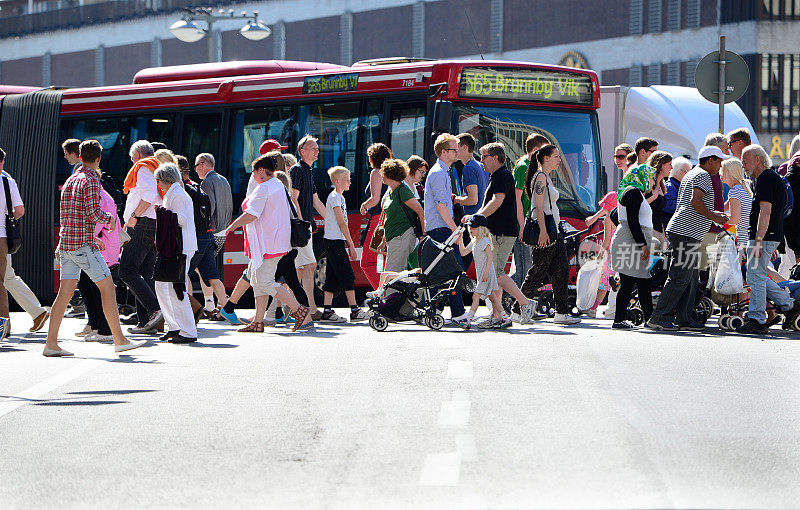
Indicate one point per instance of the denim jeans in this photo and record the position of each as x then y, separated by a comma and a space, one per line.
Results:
136, 265
762, 287
456, 301
680, 289
522, 262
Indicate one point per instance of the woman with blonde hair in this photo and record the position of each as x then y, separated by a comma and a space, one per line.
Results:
662, 162
166, 156
740, 198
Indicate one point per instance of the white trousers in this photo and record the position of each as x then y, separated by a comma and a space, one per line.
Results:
178, 314
21, 293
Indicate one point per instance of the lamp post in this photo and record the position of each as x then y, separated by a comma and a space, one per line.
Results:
187, 30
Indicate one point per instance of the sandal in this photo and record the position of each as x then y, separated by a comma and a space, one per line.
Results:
253, 327
299, 316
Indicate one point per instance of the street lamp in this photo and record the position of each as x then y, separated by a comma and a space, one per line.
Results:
187, 30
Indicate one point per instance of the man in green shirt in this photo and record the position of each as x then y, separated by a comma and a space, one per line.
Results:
522, 252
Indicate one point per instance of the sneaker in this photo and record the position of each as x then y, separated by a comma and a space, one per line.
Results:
461, 317
155, 318
331, 316
85, 331
463, 322
692, 326
488, 323
230, 317
129, 346
97, 337
662, 326
516, 317
526, 312
566, 319
501, 324
76, 312
143, 330
623, 325
751, 327
591, 313
358, 315
5, 327
305, 327
286, 319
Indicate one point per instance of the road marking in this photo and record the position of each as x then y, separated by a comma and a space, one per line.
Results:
38, 390
465, 445
454, 415
441, 469
460, 395
457, 369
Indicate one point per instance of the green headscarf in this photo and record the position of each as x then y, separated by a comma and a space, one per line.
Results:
638, 177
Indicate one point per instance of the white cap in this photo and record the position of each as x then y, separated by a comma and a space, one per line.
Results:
711, 150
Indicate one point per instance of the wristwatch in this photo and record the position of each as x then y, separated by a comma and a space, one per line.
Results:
759, 238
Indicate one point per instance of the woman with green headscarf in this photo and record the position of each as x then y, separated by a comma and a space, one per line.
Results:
630, 246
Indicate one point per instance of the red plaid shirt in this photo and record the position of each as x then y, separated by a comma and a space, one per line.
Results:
80, 210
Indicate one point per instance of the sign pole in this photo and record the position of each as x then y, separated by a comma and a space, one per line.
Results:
722, 84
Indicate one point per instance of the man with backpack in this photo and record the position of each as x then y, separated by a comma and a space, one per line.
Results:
204, 260
766, 233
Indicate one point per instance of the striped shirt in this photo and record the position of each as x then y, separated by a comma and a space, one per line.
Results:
746, 201
687, 221
80, 210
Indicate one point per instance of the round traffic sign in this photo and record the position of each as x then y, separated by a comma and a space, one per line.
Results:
737, 76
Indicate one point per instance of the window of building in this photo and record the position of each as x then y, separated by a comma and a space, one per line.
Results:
693, 14
654, 74
674, 21
780, 93
780, 9
636, 17
654, 17
635, 76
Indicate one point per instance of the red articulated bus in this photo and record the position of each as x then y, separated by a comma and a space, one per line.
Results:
229, 108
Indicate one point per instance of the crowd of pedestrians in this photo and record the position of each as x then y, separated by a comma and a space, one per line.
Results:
172, 228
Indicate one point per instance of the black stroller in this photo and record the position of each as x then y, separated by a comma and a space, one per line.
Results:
410, 297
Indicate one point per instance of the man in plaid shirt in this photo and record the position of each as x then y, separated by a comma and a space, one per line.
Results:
79, 250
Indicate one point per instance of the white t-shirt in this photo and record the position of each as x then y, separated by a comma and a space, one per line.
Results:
16, 200
332, 230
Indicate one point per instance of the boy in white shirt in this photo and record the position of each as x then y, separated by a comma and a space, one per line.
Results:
340, 250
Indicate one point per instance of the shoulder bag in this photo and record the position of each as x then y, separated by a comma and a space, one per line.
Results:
13, 237
530, 231
376, 243
301, 229
413, 218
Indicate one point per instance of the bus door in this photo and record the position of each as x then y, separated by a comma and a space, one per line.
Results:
406, 129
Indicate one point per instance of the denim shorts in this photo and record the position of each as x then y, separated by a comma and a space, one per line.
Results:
204, 260
86, 259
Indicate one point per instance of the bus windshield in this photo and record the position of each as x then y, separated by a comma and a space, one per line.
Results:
579, 179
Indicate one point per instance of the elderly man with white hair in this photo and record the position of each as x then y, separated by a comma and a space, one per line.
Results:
766, 233
680, 167
171, 288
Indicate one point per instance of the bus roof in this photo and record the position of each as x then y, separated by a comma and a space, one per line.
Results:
243, 82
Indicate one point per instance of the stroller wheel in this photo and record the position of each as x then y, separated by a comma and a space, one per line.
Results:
378, 322
708, 306
796, 323
434, 322
636, 316
724, 322
735, 322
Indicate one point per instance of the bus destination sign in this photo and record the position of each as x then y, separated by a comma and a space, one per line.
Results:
515, 84
330, 83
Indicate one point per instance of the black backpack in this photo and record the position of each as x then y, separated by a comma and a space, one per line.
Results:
202, 208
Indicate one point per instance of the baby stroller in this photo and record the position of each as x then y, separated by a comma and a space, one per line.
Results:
412, 297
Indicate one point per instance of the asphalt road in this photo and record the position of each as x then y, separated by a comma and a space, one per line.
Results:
539, 416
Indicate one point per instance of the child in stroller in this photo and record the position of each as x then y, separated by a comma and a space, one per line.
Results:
416, 296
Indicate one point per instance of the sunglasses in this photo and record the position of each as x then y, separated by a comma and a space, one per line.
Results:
620, 156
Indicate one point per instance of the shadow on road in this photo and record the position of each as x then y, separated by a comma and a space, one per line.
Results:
78, 398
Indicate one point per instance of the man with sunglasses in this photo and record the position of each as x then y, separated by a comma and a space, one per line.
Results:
738, 139
643, 148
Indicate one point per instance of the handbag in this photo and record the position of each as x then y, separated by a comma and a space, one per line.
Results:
301, 229
530, 231
13, 237
376, 243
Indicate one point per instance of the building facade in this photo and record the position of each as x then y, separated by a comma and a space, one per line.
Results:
628, 42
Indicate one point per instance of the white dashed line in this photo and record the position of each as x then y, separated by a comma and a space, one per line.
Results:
454, 415
465, 445
457, 369
441, 469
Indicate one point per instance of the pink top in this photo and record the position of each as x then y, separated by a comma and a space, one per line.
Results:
109, 239
609, 201
268, 236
